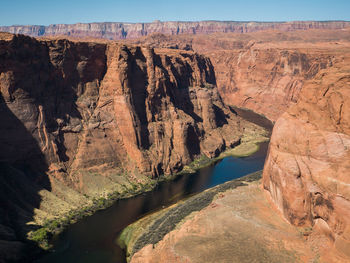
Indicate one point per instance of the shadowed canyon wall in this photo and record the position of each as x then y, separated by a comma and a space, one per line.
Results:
81, 119
300, 79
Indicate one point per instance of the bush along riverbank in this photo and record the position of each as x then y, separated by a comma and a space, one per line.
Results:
51, 227
247, 145
152, 228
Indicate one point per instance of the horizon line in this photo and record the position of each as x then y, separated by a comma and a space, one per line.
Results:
179, 21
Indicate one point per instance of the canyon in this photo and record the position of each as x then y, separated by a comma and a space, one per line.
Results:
116, 31
84, 119
306, 178
300, 81
262, 71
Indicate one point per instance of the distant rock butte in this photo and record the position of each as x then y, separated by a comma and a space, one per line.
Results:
115, 31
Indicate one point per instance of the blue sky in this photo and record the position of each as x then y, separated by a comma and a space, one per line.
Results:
44, 12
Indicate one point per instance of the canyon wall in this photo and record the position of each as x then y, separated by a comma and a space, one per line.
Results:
264, 79
115, 31
306, 75
262, 71
81, 120
307, 171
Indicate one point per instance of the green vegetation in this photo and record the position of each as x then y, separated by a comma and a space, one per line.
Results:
41, 237
55, 226
249, 144
153, 227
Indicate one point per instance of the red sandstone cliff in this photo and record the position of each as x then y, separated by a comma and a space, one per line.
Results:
116, 31
307, 174
307, 171
90, 104
263, 71
81, 119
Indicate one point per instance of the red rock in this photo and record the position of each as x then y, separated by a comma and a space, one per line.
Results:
116, 31
76, 116
262, 71
307, 171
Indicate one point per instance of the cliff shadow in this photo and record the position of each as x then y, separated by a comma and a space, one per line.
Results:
40, 90
179, 92
22, 175
138, 81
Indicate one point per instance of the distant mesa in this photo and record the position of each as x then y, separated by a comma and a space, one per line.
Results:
116, 31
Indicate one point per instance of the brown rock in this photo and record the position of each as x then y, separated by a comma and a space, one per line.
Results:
76, 116
307, 171
238, 226
263, 71
128, 30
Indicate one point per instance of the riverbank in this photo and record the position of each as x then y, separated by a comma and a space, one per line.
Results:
152, 228
233, 222
247, 145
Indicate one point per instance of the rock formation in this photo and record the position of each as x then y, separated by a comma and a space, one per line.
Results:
239, 225
262, 71
307, 171
80, 119
307, 176
117, 31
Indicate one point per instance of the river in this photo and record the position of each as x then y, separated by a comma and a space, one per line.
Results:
92, 239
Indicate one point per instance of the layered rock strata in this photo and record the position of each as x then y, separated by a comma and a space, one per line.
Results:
81, 120
115, 31
263, 71
307, 171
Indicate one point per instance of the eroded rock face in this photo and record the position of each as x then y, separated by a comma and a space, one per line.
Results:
81, 120
263, 71
89, 104
266, 80
307, 171
129, 30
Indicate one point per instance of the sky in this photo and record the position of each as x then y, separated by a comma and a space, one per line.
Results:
45, 12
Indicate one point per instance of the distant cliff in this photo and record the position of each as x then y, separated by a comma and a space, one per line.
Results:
113, 30
261, 71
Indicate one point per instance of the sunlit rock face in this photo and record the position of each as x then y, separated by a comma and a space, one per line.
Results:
117, 31
81, 120
307, 171
262, 71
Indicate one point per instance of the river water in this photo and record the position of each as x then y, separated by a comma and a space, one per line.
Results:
92, 240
